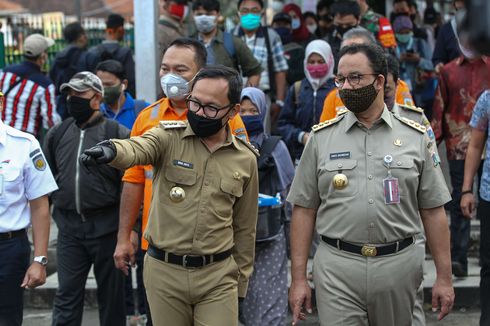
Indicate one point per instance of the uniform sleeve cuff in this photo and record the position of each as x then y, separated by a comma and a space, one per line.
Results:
242, 288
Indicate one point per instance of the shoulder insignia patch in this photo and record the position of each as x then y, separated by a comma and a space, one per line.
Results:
250, 146
411, 108
173, 124
415, 125
327, 123
39, 162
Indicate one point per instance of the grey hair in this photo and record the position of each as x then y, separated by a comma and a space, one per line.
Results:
359, 32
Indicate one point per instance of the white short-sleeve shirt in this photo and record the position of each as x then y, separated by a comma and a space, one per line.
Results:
24, 176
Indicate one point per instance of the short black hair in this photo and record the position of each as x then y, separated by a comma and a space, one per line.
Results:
310, 14
112, 66
373, 52
409, 2
229, 74
322, 4
393, 66
208, 5
193, 44
260, 2
346, 7
114, 21
73, 31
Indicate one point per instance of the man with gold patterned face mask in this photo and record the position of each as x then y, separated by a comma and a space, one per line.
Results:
368, 180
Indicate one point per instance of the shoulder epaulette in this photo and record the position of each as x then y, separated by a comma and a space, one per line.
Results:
342, 110
173, 124
327, 123
411, 123
411, 108
250, 146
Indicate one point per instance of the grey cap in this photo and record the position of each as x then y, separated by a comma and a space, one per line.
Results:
36, 44
83, 81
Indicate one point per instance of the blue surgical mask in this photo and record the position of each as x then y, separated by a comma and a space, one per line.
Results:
174, 86
295, 23
404, 38
253, 124
250, 21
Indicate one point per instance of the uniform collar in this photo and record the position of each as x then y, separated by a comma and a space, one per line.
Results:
3, 133
351, 119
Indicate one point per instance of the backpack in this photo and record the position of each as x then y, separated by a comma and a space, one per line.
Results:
111, 131
269, 220
228, 44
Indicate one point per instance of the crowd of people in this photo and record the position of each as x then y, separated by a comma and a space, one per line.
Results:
315, 135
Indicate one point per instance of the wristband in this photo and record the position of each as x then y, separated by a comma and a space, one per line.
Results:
279, 102
466, 192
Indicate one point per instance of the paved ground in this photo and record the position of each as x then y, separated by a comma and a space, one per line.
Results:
463, 317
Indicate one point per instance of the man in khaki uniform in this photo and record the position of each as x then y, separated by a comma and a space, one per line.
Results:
201, 229
364, 178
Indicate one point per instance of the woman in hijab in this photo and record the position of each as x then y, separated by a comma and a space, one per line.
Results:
266, 300
301, 34
304, 100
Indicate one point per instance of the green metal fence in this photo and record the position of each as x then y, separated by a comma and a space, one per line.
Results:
17, 28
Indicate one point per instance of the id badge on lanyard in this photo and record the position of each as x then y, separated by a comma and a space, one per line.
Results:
391, 188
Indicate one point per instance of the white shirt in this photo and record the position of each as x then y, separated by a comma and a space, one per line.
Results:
24, 176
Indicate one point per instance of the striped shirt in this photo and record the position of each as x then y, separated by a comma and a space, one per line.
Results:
30, 105
257, 45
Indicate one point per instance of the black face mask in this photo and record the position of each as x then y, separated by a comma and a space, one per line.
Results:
79, 108
360, 99
203, 127
341, 30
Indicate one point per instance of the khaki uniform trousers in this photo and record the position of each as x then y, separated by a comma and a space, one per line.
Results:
352, 290
206, 296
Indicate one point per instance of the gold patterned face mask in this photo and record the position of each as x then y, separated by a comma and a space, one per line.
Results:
360, 99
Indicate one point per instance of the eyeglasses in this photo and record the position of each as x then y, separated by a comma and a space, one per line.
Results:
244, 11
210, 111
353, 80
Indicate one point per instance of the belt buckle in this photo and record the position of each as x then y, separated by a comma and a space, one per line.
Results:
184, 260
369, 251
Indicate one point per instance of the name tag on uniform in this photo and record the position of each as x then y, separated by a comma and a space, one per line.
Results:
339, 155
183, 164
391, 191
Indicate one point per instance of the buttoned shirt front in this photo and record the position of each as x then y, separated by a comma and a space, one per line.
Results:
24, 176
219, 211
358, 213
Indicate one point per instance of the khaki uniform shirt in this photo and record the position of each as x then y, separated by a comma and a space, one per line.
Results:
358, 213
219, 211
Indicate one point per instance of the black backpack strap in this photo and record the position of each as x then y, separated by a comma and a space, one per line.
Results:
270, 65
21, 78
266, 150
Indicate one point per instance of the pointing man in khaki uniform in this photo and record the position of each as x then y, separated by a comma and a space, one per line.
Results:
201, 229
363, 179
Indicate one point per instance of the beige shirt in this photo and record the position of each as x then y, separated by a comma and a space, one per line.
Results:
358, 213
219, 211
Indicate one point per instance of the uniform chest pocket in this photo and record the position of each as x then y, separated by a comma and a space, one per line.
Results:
403, 169
340, 177
11, 180
229, 191
179, 184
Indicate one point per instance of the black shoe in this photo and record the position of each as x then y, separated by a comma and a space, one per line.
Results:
458, 269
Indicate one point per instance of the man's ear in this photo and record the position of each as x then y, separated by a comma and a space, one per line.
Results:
380, 82
234, 111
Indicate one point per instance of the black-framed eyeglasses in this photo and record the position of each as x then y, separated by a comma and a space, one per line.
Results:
353, 79
210, 111
244, 11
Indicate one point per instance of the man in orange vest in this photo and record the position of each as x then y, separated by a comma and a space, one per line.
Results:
180, 63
